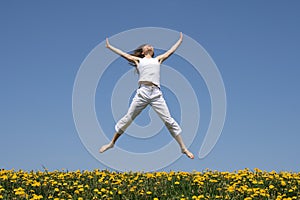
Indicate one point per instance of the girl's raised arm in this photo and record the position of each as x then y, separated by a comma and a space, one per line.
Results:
129, 57
166, 55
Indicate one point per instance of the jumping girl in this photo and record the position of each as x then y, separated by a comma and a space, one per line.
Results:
149, 93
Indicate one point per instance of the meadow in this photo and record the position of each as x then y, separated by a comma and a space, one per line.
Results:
102, 184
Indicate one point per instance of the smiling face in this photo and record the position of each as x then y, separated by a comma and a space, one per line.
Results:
148, 49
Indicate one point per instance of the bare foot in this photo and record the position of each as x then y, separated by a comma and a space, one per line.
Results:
106, 147
188, 153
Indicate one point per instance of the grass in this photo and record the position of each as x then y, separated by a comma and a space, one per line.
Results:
243, 184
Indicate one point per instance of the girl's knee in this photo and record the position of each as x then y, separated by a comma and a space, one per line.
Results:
173, 127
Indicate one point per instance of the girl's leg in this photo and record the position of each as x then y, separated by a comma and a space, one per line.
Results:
111, 144
161, 108
136, 106
183, 147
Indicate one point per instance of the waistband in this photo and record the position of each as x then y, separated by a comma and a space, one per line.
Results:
149, 85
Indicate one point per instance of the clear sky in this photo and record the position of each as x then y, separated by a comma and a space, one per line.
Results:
254, 44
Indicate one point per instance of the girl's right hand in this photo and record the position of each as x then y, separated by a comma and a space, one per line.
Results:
107, 43
181, 36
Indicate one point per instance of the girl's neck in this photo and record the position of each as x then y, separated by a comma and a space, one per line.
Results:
148, 56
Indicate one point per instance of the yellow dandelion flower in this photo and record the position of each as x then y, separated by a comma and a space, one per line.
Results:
36, 184
258, 170
231, 189
283, 183
96, 190
260, 182
36, 197
149, 175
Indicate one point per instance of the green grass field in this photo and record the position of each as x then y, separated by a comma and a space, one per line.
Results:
243, 184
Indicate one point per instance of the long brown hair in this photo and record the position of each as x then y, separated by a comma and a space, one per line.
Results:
138, 52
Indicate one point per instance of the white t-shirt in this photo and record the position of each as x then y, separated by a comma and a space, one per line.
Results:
149, 70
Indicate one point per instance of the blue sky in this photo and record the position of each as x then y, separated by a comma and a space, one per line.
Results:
254, 44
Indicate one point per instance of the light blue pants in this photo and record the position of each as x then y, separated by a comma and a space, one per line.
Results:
148, 95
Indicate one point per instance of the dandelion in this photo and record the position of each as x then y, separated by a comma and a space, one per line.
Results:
231, 189
36, 197
4, 177
76, 192
19, 191
283, 183
96, 190
271, 186
36, 184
